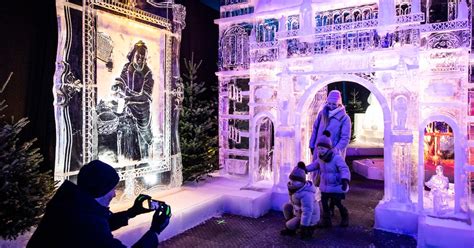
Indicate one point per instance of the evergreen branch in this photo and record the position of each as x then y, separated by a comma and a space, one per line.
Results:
6, 82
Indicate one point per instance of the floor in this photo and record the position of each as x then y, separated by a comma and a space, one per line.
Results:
236, 231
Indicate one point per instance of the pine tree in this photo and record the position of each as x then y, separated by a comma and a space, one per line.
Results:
198, 126
24, 189
354, 106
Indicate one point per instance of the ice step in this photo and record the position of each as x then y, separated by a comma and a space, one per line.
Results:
195, 203
437, 232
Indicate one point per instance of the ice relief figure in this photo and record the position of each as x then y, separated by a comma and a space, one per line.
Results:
400, 108
134, 89
439, 185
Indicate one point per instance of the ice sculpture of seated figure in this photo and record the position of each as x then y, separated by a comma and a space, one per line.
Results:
372, 127
439, 185
373, 119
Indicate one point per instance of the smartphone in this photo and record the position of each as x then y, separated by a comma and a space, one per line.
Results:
155, 204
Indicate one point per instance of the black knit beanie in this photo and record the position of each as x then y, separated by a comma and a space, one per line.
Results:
325, 140
97, 178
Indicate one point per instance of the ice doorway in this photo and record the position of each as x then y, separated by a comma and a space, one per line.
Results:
365, 151
316, 94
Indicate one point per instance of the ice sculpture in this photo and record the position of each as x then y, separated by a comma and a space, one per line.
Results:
117, 90
416, 66
400, 108
369, 127
439, 185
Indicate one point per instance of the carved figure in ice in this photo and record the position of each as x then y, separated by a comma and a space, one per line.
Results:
373, 119
135, 86
284, 112
439, 185
400, 108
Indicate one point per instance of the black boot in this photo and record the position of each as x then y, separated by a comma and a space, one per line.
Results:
325, 221
331, 208
344, 217
306, 232
287, 232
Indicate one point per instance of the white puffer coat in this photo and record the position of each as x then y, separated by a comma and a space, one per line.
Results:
305, 205
331, 172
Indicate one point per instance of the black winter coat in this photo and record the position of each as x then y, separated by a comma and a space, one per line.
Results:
74, 219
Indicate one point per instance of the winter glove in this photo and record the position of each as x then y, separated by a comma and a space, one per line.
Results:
161, 219
345, 184
137, 207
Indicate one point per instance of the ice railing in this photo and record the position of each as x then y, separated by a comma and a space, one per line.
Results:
266, 44
156, 167
441, 26
132, 11
352, 26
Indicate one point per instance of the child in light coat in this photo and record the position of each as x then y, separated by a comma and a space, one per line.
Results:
303, 209
334, 176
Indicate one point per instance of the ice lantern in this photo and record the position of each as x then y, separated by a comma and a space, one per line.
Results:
101, 110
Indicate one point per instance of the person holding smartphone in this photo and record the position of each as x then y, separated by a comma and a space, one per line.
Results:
79, 215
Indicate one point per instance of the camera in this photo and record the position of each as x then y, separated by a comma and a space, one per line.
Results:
155, 204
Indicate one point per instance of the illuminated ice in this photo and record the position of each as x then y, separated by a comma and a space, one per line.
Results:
368, 127
117, 92
415, 66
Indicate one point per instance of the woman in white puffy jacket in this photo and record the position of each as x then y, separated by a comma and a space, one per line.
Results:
303, 210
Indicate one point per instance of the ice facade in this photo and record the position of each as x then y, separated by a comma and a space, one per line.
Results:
276, 61
117, 90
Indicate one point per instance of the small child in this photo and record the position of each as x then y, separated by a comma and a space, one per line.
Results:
303, 210
334, 179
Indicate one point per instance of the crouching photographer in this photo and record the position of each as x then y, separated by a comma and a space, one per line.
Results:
79, 215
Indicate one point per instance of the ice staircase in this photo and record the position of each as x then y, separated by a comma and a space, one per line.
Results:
192, 204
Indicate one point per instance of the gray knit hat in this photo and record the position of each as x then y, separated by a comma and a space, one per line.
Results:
298, 173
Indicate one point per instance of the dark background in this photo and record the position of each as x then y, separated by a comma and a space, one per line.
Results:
28, 49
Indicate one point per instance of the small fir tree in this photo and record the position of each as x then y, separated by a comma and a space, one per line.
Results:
198, 126
24, 189
354, 106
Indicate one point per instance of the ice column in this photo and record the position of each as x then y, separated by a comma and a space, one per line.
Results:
401, 175
463, 11
306, 27
415, 6
386, 16
285, 133
179, 14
